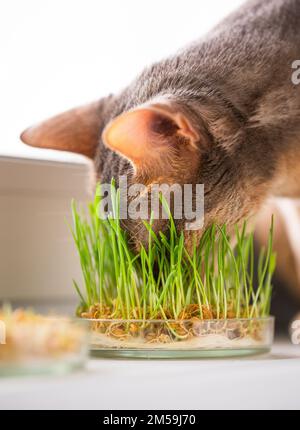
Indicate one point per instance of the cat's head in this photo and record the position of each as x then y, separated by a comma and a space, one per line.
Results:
160, 140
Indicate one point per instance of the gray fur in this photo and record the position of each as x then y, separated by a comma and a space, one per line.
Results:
235, 84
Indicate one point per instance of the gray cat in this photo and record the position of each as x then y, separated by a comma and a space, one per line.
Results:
223, 112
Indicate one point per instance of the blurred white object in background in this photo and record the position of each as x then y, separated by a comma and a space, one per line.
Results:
286, 214
37, 256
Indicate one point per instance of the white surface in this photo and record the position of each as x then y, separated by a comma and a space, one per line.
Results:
262, 382
56, 54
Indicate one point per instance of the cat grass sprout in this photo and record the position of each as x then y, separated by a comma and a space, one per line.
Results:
164, 289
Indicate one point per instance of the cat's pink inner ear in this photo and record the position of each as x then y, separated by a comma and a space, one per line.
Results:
129, 135
144, 134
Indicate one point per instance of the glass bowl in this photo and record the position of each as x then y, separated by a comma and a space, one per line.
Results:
193, 338
43, 345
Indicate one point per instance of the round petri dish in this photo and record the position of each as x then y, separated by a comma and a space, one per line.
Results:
191, 338
34, 344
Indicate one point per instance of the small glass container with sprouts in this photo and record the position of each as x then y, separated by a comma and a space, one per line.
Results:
192, 338
167, 299
37, 344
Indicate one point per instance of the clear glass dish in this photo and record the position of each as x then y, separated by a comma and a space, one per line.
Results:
193, 338
44, 345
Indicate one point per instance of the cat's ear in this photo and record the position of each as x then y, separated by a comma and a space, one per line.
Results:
145, 134
76, 130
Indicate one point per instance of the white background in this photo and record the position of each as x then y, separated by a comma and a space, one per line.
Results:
55, 54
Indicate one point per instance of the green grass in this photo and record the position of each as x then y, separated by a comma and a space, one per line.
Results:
214, 280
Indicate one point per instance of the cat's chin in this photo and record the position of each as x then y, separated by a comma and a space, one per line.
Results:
138, 233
